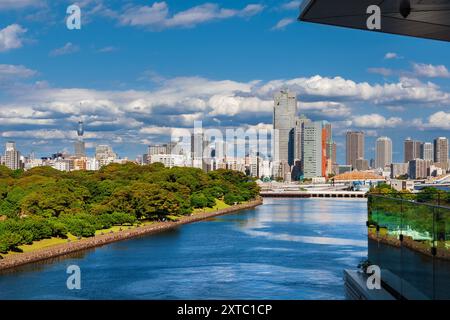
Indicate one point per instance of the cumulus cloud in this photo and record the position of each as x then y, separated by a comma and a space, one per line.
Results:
375, 120
431, 71
135, 116
383, 71
326, 108
157, 16
11, 37
291, 5
8, 71
17, 4
338, 88
438, 120
68, 48
283, 23
391, 55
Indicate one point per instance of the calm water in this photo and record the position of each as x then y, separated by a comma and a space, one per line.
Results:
285, 249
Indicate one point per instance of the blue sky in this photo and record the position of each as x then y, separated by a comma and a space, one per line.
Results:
136, 69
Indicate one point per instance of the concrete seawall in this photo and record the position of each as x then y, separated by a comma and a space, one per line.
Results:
87, 243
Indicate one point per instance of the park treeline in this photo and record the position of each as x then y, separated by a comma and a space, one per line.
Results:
428, 195
43, 202
427, 211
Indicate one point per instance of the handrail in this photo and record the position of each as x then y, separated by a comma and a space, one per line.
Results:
380, 195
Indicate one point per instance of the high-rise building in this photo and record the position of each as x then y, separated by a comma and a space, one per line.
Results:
417, 169
104, 154
355, 147
79, 145
312, 150
198, 147
426, 151
441, 151
361, 164
80, 149
399, 169
154, 149
333, 153
284, 116
12, 156
411, 149
298, 131
383, 152
329, 158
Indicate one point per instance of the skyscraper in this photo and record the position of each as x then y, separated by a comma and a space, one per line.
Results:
312, 149
426, 151
383, 152
355, 147
79, 145
411, 149
284, 113
298, 132
104, 154
12, 156
441, 151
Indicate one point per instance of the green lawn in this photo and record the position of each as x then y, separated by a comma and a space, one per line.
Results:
219, 205
41, 244
45, 243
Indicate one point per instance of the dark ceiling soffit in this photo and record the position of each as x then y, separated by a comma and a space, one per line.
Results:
306, 6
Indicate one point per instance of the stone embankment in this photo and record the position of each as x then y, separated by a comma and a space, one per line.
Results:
99, 240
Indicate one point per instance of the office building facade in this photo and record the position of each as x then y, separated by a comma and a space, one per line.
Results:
354, 147
383, 152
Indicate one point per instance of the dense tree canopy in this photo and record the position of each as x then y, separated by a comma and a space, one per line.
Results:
44, 202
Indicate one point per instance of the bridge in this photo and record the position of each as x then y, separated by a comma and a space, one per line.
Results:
313, 194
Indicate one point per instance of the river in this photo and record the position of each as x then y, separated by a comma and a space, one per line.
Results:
284, 249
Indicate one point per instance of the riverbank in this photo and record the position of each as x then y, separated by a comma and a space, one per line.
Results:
99, 240
417, 246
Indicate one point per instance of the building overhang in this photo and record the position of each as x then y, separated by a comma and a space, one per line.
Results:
417, 18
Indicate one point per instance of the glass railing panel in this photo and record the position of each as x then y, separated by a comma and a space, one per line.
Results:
442, 259
384, 244
417, 250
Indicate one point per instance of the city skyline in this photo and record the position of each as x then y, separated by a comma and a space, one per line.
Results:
130, 86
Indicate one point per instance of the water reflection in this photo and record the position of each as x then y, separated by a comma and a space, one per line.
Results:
285, 249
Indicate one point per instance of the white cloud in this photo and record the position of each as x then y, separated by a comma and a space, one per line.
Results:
291, 5
283, 23
16, 4
107, 49
325, 108
438, 120
136, 115
8, 71
68, 48
158, 17
338, 88
11, 37
383, 71
391, 55
431, 71
375, 120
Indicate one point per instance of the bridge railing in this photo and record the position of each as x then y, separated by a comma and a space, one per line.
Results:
409, 238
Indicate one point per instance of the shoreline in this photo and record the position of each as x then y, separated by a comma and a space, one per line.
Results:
408, 242
100, 240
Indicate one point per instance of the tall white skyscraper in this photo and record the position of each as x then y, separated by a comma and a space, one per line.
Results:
12, 156
312, 149
426, 151
284, 116
383, 152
